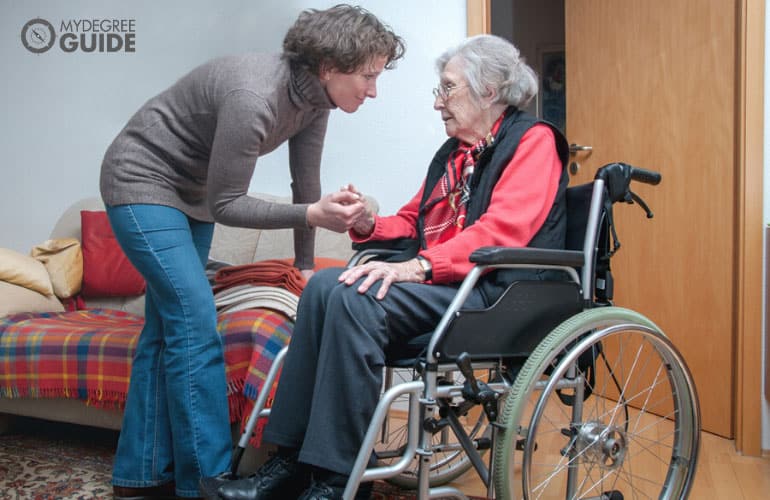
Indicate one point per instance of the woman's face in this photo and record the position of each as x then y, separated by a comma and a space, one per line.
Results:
462, 115
349, 90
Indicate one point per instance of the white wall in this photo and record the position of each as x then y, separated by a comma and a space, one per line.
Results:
61, 110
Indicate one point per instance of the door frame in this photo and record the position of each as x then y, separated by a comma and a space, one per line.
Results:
748, 233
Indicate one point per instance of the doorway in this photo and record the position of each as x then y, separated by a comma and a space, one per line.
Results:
735, 411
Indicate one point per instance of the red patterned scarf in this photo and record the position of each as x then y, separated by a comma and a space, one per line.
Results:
448, 203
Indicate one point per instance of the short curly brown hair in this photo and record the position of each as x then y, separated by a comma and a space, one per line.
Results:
343, 37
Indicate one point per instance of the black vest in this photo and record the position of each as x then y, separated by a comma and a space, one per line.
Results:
489, 167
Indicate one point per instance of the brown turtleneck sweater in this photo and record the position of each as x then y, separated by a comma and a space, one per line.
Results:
195, 146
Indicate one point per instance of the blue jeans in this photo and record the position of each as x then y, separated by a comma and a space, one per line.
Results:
176, 422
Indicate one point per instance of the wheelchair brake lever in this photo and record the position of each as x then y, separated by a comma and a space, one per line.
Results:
471, 385
475, 391
642, 204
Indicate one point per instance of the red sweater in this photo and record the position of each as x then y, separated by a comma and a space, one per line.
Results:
519, 205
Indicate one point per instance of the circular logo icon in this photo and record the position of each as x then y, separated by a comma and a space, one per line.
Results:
38, 35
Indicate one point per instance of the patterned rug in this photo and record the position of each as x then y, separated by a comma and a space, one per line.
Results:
42, 460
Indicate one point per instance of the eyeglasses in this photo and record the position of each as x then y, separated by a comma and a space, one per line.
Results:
444, 91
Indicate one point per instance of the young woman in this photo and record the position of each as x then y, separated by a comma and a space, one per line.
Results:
184, 161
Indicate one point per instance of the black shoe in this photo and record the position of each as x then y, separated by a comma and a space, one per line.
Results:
279, 478
208, 486
329, 484
322, 491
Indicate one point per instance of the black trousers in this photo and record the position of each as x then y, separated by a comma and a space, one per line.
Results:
332, 376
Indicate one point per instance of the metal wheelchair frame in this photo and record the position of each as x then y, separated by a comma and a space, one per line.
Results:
603, 445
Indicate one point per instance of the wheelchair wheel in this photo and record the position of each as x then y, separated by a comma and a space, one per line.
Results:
633, 433
449, 460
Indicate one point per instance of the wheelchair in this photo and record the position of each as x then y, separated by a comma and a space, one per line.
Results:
551, 392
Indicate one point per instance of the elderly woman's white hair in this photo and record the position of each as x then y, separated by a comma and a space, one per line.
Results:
491, 62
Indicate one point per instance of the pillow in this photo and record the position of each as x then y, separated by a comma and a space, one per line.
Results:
107, 271
25, 271
18, 299
63, 259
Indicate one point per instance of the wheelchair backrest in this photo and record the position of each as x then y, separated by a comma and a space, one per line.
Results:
578, 208
578, 204
530, 309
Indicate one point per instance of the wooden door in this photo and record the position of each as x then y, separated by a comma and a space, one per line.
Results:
653, 84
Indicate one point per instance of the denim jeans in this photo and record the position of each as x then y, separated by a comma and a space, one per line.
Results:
176, 421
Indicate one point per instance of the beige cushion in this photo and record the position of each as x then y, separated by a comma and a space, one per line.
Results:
17, 299
133, 305
63, 259
23, 270
234, 245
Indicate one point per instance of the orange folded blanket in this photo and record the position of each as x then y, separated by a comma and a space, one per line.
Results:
273, 272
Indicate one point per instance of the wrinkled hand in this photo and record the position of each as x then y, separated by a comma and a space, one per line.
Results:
388, 272
364, 225
337, 211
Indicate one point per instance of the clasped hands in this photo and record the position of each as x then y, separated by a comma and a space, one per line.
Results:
345, 210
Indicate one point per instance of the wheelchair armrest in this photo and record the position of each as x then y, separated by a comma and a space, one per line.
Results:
370, 254
379, 249
398, 244
492, 256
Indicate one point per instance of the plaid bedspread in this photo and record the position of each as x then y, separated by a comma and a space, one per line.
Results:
87, 354
271, 331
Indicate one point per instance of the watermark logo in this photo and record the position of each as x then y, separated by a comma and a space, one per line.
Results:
80, 35
38, 35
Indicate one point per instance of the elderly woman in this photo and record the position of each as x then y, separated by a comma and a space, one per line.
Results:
184, 161
499, 180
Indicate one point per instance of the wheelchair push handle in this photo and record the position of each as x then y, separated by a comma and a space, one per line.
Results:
617, 179
618, 176
646, 176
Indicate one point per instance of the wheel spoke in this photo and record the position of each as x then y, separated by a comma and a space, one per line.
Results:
641, 412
